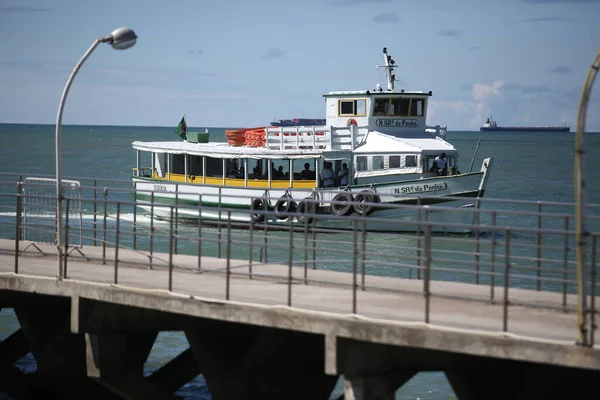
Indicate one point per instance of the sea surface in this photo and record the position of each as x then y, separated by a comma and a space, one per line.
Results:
527, 166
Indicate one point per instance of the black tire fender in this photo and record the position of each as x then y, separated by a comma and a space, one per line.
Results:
364, 202
306, 206
341, 204
259, 206
285, 206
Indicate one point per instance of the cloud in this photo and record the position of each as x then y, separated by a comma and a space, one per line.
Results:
386, 17
21, 9
541, 19
559, 1
196, 51
358, 2
561, 69
448, 33
273, 53
474, 48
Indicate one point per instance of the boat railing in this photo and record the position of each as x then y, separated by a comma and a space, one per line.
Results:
314, 137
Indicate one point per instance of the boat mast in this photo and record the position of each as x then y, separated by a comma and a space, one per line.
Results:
389, 70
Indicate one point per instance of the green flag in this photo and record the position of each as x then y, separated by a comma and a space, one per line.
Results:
182, 129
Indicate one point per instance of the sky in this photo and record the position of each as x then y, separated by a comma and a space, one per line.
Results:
230, 63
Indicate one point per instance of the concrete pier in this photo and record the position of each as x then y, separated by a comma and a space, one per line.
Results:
91, 337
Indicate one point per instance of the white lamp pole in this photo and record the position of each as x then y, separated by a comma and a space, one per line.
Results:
120, 39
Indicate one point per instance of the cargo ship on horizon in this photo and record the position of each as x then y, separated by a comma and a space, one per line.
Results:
491, 125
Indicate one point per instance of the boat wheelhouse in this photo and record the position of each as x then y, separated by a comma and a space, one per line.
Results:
372, 154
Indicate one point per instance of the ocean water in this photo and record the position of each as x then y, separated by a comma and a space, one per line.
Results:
527, 166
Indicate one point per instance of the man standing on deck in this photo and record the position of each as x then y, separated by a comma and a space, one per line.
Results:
441, 164
327, 175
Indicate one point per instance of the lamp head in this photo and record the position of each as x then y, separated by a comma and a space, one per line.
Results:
121, 38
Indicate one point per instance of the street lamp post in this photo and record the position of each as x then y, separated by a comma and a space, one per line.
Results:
120, 39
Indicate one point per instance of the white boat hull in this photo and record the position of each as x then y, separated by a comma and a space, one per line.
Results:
393, 207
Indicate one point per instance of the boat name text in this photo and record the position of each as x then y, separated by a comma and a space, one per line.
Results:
408, 123
420, 188
160, 188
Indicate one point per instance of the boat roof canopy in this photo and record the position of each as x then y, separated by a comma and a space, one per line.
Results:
387, 93
223, 150
377, 142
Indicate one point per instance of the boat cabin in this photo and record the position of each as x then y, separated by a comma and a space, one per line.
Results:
379, 135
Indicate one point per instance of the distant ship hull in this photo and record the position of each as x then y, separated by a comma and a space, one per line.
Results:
298, 122
525, 129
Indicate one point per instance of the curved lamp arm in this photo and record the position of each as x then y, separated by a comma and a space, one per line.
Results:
581, 234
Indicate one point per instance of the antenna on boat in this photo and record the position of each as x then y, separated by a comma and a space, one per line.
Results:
389, 69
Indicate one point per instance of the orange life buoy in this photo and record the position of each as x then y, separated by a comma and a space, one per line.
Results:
351, 122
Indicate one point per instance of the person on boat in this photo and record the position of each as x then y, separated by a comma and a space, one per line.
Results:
306, 173
241, 173
257, 170
327, 175
279, 173
343, 175
441, 164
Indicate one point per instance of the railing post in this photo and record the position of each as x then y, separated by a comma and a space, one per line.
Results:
363, 254
290, 261
18, 224
171, 250
95, 219
117, 234
199, 232
135, 219
251, 243
427, 272
506, 279
151, 244
176, 246
477, 245
592, 318
228, 265
493, 257
539, 245
419, 212
314, 231
219, 224
354, 265
566, 264
66, 247
104, 226
267, 216
306, 219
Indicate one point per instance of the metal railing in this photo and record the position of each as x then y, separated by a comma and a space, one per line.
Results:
511, 246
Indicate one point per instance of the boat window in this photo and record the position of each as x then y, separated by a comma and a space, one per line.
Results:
355, 107
394, 162
195, 166
417, 107
177, 163
361, 163
377, 163
214, 167
381, 106
410, 161
400, 107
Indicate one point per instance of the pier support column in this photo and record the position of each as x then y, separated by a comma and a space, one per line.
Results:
117, 361
250, 362
525, 382
379, 387
59, 354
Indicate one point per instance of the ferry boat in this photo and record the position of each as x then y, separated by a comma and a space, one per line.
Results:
373, 154
492, 126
